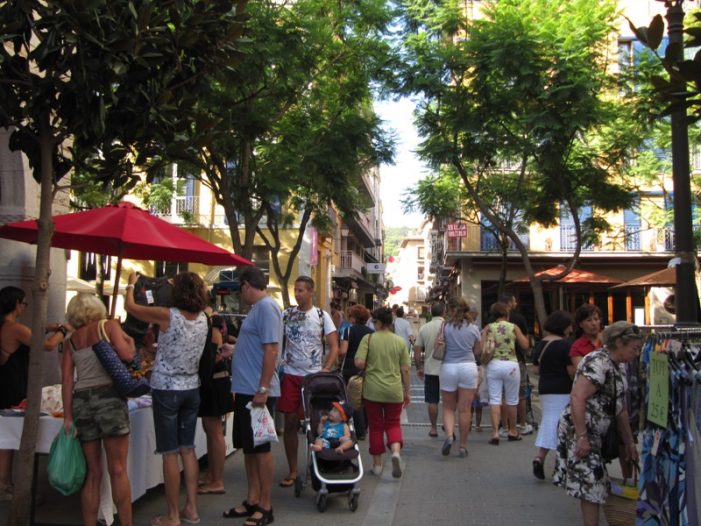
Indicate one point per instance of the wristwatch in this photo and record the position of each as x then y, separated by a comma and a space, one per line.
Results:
262, 390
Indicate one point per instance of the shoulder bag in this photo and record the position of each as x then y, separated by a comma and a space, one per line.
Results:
610, 441
128, 384
542, 353
356, 383
439, 344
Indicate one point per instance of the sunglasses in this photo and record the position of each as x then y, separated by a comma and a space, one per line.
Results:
633, 330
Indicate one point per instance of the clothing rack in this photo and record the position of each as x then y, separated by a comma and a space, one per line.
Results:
669, 490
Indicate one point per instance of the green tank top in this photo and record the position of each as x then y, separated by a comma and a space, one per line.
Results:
505, 340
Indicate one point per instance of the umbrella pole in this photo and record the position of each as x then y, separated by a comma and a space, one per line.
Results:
115, 292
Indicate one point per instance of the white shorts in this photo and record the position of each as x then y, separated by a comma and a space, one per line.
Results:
463, 375
503, 375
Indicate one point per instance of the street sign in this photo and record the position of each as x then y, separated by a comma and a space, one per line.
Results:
375, 268
457, 230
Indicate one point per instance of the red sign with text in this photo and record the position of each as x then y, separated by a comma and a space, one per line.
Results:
457, 230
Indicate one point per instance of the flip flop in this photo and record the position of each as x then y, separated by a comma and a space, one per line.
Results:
190, 521
203, 490
161, 520
514, 438
288, 482
494, 441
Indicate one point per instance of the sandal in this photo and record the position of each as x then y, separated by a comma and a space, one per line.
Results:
538, 470
249, 509
514, 438
445, 450
288, 482
494, 441
265, 518
462, 452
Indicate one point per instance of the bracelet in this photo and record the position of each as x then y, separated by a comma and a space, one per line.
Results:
62, 330
582, 435
130, 286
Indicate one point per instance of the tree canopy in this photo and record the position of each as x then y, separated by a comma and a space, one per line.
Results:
519, 104
91, 85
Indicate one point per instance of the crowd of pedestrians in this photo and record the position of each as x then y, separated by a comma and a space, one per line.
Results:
578, 378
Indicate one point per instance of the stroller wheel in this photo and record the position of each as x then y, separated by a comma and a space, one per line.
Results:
299, 486
321, 502
353, 502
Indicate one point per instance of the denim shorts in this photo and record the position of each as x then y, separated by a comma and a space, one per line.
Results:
175, 419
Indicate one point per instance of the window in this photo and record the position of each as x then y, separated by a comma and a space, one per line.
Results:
261, 257
169, 268
420, 274
420, 253
632, 225
568, 232
488, 236
87, 266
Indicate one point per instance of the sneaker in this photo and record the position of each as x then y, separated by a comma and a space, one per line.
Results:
396, 466
377, 470
503, 433
525, 429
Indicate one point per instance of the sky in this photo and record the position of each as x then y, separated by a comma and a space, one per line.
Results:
407, 171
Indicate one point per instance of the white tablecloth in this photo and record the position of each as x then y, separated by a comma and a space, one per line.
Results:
144, 466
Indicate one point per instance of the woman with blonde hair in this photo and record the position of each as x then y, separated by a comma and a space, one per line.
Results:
459, 374
92, 404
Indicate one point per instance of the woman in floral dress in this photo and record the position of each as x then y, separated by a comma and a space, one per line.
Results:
579, 467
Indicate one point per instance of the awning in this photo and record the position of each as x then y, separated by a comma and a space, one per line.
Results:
662, 278
576, 276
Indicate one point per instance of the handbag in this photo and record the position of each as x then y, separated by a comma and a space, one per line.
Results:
356, 383
126, 383
610, 441
488, 347
439, 344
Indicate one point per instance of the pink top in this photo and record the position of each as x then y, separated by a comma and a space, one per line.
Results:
583, 346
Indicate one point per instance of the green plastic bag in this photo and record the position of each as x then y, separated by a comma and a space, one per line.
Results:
66, 462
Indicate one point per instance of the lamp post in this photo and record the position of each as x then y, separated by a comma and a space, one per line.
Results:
685, 291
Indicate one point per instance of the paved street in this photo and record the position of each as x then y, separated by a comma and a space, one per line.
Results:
494, 485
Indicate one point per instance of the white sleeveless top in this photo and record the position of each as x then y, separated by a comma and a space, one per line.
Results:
179, 351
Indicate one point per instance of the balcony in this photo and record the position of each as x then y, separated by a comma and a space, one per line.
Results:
361, 227
350, 261
183, 209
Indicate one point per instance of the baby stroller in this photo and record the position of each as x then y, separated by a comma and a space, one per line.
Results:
329, 471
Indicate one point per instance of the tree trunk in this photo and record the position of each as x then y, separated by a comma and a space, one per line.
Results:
20, 508
539, 301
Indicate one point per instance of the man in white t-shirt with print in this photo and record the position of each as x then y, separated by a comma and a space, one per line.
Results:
310, 345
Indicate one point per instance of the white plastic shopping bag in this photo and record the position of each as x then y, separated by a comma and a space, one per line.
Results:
262, 425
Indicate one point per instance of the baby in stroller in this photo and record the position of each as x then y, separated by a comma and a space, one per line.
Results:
333, 431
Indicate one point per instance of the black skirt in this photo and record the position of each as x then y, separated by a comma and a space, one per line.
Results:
216, 398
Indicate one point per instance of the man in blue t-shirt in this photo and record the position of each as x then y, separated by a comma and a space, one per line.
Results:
254, 379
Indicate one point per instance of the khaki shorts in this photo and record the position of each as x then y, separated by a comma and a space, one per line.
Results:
100, 413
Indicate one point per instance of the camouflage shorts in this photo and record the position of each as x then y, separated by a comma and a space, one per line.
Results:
100, 413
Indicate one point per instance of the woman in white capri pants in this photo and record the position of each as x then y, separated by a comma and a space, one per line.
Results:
458, 375
502, 371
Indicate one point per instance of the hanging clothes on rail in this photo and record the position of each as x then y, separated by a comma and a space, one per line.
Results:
668, 484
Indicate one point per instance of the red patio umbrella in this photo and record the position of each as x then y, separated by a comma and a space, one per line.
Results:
125, 231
